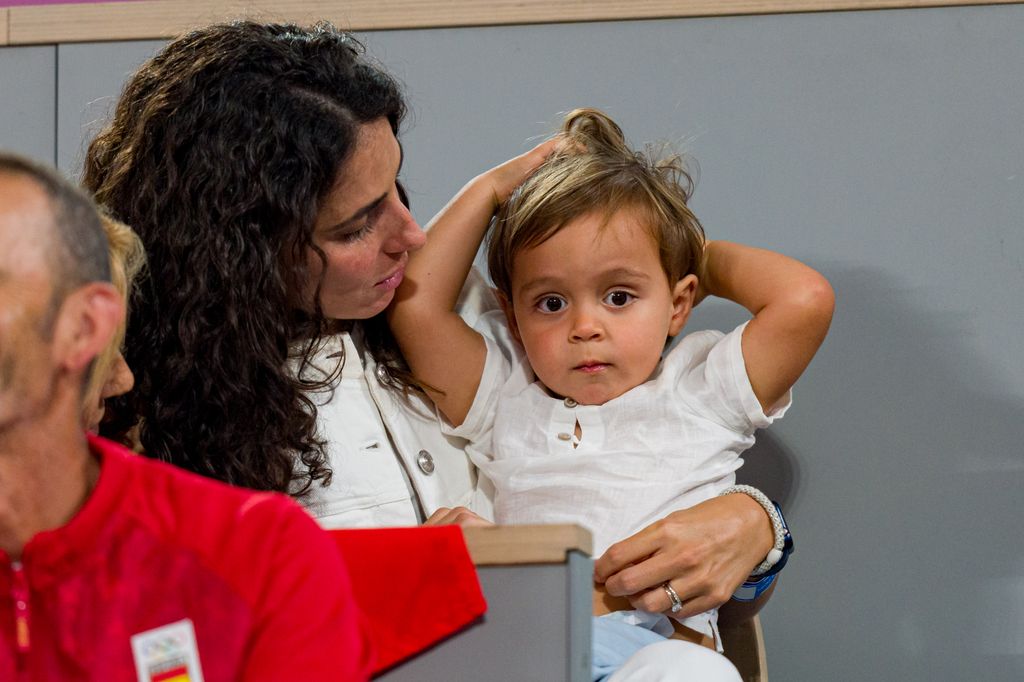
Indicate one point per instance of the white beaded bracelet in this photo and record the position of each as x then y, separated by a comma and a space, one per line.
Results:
775, 554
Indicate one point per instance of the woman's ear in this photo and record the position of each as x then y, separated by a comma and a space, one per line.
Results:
510, 315
683, 295
86, 323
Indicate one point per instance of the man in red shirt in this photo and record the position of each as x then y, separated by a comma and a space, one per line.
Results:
116, 567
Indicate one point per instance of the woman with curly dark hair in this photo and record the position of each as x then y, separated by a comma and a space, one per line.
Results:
259, 165
224, 153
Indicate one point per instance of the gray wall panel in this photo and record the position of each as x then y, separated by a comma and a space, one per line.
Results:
27, 101
512, 643
90, 77
886, 150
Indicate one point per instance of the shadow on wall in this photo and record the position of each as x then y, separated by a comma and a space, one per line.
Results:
904, 456
768, 465
941, 437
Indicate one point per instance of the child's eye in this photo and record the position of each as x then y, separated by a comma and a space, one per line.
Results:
551, 304
618, 299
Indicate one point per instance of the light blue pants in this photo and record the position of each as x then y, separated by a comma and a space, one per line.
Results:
623, 651
614, 642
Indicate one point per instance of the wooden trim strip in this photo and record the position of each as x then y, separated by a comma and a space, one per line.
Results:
146, 19
4, 14
508, 545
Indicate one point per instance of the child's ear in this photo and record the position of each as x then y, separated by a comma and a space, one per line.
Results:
510, 315
683, 295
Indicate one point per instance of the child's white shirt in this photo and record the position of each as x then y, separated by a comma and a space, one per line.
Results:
668, 444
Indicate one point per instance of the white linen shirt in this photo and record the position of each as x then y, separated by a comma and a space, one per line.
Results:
392, 465
665, 445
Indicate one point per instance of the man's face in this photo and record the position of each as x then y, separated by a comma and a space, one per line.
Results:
27, 370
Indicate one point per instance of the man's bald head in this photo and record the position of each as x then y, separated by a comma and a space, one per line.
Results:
74, 239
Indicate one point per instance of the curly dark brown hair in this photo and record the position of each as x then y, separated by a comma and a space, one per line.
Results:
219, 154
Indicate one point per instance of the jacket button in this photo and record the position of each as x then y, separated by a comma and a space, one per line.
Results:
425, 461
570, 403
383, 375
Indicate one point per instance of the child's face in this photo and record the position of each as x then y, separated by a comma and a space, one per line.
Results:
593, 307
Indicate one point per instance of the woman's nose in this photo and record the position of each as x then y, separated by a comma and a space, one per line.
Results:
407, 235
120, 381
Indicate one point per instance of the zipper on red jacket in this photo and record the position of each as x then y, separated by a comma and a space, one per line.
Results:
19, 590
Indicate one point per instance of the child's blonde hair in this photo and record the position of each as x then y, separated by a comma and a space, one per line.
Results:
595, 170
127, 259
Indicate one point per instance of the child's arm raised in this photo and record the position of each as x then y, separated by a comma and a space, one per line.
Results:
792, 306
443, 352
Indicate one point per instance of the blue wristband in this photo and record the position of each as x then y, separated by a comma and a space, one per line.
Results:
754, 586
752, 589
787, 545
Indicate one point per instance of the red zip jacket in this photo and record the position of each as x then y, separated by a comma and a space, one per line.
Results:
165, 575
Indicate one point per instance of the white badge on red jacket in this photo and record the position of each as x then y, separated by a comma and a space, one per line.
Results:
167, 654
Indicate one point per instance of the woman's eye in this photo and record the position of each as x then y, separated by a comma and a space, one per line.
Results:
365, 227
355, 235
551, 304
618, 299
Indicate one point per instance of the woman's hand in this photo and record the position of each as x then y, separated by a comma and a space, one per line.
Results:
705, 552
457, 516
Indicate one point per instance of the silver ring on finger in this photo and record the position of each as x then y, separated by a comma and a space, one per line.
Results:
677, 603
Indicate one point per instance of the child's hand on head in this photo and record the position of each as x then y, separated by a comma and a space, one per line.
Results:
509, 175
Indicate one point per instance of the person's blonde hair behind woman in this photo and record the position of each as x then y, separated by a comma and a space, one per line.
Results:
127, 259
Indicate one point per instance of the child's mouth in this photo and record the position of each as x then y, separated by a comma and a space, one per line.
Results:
591, 367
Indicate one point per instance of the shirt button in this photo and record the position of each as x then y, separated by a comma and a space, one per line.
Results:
383, 375
570, 403
564, 436
425, 461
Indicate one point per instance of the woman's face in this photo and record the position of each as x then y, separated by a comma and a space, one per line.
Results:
364, 230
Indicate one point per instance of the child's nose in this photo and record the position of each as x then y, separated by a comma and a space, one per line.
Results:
586, 326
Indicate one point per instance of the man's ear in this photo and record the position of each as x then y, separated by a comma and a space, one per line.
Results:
510, 315
683, 295
85, 325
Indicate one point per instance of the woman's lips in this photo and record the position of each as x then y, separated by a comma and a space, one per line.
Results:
392, 281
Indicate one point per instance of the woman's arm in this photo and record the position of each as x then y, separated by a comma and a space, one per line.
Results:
733, 612
443, 352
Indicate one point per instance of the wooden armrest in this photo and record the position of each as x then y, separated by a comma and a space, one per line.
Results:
744, 646
508, 545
